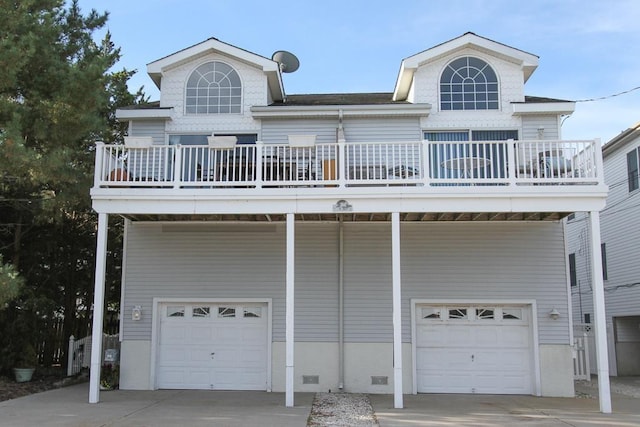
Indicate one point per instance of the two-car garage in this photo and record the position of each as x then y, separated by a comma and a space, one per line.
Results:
459, 348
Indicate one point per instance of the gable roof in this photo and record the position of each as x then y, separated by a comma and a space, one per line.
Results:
269, 66
622, 138
528, 61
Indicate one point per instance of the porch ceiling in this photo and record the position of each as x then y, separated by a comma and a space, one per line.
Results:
361, 217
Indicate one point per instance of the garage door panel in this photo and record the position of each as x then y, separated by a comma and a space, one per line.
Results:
173, 332
198, 376
200, 355
199, 333
513, 359
173, 354
253, 356
252, 333
457, 335
437, 335
486, 336
487, 360
229, 333
226, 356
435, 383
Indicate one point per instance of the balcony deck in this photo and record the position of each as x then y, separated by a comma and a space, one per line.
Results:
477, 179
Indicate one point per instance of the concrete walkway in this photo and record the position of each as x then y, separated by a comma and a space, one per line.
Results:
68, 407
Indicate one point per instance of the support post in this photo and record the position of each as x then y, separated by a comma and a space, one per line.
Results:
342, 163
397, 311
71, 356
512, 164
260, 167
98, 172
289, 316
98, 309
177, 167
604, 391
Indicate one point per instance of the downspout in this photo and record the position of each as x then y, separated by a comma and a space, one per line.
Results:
341, 139
340, 303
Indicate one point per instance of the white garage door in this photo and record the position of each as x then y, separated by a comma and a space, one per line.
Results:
473, 349
213, 346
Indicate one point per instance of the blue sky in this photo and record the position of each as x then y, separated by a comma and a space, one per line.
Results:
588, 49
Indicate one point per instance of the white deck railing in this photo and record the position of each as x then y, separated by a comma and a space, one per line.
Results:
422, 163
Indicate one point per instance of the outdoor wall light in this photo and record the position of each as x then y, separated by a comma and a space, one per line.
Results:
136, 313
554, 314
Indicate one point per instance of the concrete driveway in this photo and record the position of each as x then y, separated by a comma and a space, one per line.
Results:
492, 410
68, 407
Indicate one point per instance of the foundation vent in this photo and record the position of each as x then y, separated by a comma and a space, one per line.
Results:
379, 380
311, 379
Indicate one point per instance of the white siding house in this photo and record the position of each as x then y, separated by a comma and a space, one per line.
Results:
620, 246
401, 242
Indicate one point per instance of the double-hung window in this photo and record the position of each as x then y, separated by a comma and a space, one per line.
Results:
632, 168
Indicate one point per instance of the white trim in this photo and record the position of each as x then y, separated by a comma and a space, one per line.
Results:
533, 330
363, 200
144, 113
156, 67
222, 141
98, 308
568, 281
533, 108
333, 111
155, 328
290, 311
138, 141
127, 224
600, 319
414, 366
396, 273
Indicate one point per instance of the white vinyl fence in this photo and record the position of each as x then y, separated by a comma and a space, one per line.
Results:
80, 351
581, 368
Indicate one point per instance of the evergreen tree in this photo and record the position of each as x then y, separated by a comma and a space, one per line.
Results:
57, 97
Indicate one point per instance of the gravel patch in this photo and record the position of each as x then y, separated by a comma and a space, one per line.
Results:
342, 409
620, 386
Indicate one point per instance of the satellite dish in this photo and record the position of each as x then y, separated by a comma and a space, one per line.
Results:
287, 61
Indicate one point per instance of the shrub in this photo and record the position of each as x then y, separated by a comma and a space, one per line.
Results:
110, 376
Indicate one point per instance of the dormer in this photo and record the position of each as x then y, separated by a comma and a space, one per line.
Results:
210, 79
220, 60
459, 65
473, 73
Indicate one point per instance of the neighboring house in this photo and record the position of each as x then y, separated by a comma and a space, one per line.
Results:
404, 242
620, 250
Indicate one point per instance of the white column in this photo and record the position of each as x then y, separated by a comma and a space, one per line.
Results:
98, 309
397, 312
289, 337
600, 319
